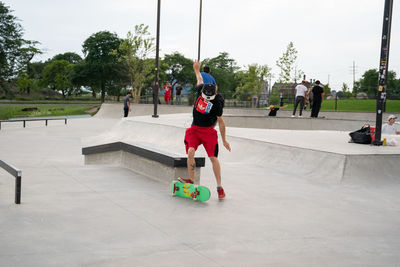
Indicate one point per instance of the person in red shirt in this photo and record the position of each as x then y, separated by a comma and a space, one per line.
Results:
167, 94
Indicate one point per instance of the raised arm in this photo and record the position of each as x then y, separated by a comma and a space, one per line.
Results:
222, 130
196, 68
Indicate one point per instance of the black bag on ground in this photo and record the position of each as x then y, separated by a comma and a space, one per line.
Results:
362, 136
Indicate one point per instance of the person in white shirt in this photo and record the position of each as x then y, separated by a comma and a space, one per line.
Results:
300, 93
389, 127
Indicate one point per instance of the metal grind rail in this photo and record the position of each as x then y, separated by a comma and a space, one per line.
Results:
18, 176
34, 119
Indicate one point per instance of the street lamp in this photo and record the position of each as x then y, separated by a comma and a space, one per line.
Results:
156, 85
198, 51
383, 69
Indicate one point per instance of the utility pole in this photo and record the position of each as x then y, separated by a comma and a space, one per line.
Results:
198, 51
383, 69
353, 72
156, 78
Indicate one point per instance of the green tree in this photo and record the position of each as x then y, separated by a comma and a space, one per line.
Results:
346, 91
80, 75
274, 97
15, 52
133, 52
71, 57
178, 69
101, 65
56, 76
251, 81
369, 83
224, 70
327, 89
289, 72
24, 82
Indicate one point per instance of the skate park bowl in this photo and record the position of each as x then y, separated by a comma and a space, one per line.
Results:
318, 148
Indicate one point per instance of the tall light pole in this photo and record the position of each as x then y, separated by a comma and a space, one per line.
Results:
156, 85
198, 51
383, 69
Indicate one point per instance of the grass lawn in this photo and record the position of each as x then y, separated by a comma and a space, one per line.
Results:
15, 111
366, 105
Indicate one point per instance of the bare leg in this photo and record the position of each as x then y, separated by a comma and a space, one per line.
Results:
216, 169
191, 164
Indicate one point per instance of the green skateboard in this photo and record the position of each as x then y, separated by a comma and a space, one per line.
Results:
195, 192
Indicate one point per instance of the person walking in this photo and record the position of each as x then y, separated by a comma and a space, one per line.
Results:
300, 93
317, 98
178, 94
207, 111
127, 104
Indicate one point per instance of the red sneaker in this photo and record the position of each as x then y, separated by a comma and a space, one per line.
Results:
221, 193
186, 181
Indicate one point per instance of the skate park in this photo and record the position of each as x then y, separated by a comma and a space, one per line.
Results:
298, 194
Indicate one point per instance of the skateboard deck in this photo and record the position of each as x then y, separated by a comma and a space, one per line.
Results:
195, 192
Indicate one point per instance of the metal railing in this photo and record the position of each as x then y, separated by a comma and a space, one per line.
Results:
18, 176
33, 119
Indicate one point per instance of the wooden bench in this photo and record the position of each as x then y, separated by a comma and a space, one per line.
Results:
144, 158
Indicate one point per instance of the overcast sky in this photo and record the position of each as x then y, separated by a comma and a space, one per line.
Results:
328, 34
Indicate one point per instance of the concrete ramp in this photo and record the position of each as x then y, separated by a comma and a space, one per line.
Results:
321, 156
305, 123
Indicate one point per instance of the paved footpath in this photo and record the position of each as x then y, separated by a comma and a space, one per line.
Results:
77, 215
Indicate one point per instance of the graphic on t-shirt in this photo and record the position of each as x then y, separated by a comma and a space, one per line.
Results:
203, 106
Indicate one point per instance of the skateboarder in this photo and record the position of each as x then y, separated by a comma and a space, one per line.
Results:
207, 111
273, 110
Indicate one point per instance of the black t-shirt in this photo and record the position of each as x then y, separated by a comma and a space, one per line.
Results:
178, 90
205, 112
272, 112
317, 93
126, 100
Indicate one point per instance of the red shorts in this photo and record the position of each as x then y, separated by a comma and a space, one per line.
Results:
167, 97
196, 135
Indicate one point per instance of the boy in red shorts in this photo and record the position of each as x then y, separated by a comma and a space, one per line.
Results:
207, 111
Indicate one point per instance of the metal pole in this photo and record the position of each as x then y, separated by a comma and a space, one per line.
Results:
156, 85
336, 102
198, 54
383, 69
18, 189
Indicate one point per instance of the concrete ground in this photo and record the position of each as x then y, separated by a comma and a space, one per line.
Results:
277, 212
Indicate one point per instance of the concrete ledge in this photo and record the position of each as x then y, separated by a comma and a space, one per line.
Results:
287, 123
146, 159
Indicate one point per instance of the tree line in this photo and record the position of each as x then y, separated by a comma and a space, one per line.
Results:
112, 65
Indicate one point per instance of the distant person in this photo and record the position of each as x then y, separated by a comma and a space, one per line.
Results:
127, 104
178, 94
389, 127
273, 110
309, 99
300, 93
167, 93
317, 98
207, 77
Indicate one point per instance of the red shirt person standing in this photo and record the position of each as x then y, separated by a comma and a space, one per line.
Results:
167, 93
